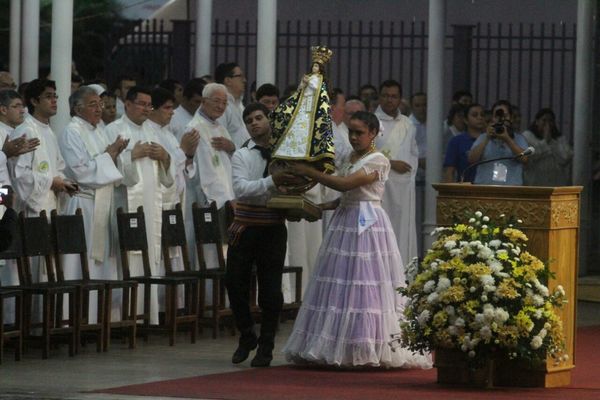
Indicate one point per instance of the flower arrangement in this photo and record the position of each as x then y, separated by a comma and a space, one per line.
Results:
478, 290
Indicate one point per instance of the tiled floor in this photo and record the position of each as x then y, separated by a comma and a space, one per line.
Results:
62, 377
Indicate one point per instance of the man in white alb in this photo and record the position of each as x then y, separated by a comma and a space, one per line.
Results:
398, 143
232, 76
190, 101
91, 162
145, 166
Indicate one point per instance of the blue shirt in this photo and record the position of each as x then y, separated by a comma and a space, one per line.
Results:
457, 155
494, 149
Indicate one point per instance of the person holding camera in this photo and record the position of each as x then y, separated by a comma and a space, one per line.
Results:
499, 141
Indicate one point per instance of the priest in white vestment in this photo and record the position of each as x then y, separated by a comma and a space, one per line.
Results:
182, 163
398, 143
213, 179
91, 162
145, 166
233, 78
190, 101
38, 177
12, 114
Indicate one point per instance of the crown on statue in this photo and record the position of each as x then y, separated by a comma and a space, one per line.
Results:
321, 54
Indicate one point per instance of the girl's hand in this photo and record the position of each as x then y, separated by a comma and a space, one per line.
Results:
302, 169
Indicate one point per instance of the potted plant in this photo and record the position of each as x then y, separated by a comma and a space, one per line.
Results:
479, 297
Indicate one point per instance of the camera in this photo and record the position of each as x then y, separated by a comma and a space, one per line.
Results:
499, 125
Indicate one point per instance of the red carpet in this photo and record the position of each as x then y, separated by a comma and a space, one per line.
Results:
303, 384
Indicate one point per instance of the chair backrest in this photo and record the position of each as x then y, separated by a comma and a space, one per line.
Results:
132, 237
68, 234
15, 251
173, 235
37, 241
207, 231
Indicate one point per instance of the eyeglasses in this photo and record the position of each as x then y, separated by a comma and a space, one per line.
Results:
49, 96
95, 104
237, 76
217, 102
143, 105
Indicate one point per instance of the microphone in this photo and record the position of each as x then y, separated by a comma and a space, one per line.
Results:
527, 152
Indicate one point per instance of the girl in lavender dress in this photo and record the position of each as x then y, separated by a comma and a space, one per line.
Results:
350, 307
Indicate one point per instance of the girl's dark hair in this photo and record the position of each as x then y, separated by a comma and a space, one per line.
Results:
471, 106
368, 118
539, 134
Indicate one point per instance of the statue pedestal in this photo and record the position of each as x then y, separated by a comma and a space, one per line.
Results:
296, 207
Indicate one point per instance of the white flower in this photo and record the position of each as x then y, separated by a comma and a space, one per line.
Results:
520, 221
495, 265
463, 243
433, 298
547, 325
464, 348
516, 251
501, 252
452, 330
429, 286
485, 332
449, 310
472, 289
536, 342
538, 300
485, 253
538, 314
459, 322
501, 315
495, 243
478, 214
423, 317
450, 244
484, 226
456, 280
443, 284
479, 319
488, 313
489, 288
543, 333
486, 218
471, 220
455, 252
484, 297
487, 280
560, 290
472, 354
502, 215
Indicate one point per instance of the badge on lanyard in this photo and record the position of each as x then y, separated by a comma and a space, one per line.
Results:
500, 172
215, 160
43, 167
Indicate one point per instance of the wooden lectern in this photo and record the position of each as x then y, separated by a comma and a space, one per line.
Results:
550, 218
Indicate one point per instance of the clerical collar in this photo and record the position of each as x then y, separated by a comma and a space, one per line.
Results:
206, 117
385, 116
155, 125
85, 123
130, 122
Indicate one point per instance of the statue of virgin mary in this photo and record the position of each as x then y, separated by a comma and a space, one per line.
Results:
301, 125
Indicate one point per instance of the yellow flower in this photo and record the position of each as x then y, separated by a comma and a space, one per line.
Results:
460, 228
439, 319
514, 235
508, 289
453, 294
524, 323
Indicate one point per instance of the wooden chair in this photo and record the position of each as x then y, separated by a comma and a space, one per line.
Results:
37, 242
14, 330
207, 231
132, 237
69, 238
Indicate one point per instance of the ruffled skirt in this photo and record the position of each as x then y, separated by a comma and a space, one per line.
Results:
350, 308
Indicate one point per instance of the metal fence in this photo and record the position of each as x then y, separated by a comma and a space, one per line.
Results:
532, 65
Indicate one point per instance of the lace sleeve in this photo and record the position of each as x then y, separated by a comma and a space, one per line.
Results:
377, 163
